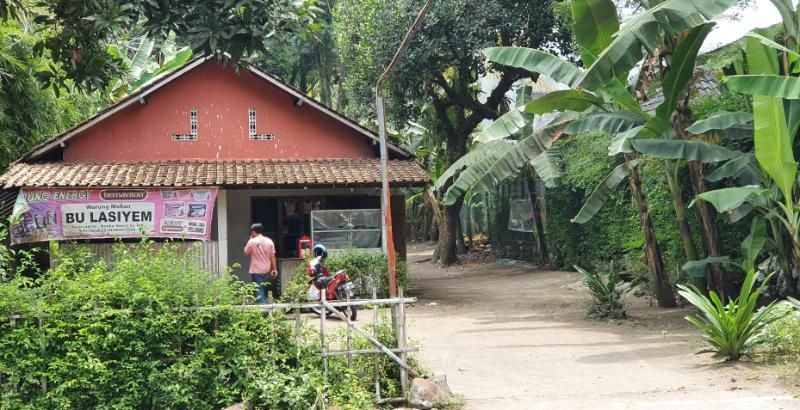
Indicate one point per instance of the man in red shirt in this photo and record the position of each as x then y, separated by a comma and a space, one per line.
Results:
263, 265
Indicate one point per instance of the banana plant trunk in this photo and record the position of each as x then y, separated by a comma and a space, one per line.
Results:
676, 193
538, 221
720, 279
664, 295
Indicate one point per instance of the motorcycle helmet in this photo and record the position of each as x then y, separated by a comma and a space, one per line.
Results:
320, 250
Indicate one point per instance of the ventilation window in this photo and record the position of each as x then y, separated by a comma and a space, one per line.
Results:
253, 133
192, 135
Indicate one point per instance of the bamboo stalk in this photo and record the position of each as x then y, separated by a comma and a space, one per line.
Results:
333, 353
377, 359
322, 334
347, 337
401, 341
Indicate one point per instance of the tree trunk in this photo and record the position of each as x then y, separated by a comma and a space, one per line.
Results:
680, 211
461, 245
538, 222
447, 252
470, 233
664, 295
720, 279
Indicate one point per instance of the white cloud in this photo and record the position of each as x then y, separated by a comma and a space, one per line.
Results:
760, 14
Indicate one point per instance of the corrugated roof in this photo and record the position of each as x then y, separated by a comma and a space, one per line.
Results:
273, 173
704, 83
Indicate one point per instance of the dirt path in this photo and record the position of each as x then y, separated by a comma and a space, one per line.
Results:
526, 345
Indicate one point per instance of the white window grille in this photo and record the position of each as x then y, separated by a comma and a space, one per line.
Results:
192, 135
253, 133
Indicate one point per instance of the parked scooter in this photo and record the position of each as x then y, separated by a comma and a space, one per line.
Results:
338, 287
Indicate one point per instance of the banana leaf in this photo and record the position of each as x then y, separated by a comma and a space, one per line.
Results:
609, 122
621, 143
753, 244
548, 166
536, 61
487, 152
726, 199
734, 168
684, 150
697, 269
679, 76
508, 125
564, 100
766, 85
773, 145
770, 43
646, 31
720, 121
601, 193
596, 21
486, 175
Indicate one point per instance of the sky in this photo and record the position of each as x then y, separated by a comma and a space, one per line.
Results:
760, 14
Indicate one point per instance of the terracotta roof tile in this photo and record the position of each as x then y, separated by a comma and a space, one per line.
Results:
200, 173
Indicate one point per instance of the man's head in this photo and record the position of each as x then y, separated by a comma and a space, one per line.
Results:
256, 229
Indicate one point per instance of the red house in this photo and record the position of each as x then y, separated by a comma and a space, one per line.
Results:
201, 153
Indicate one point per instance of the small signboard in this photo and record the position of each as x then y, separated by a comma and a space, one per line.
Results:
44, 214
520, 215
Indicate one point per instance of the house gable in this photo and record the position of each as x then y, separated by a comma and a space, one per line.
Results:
214, 113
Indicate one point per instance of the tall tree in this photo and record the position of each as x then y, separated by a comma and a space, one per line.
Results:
442, 67
80, 32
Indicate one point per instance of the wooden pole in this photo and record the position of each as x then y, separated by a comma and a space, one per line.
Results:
401, 341
322, 334
375, 332
347, 337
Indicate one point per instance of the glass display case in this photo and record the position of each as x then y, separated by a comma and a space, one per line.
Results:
347, 229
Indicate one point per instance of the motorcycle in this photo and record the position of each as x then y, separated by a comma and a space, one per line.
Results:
337, 288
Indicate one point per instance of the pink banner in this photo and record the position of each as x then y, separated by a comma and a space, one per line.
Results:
64, 213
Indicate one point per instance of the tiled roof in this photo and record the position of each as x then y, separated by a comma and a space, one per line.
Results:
225, 173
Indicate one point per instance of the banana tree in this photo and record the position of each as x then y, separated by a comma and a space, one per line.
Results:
494, 142
775, 88
600, 93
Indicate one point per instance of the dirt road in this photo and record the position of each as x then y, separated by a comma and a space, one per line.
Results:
516, 338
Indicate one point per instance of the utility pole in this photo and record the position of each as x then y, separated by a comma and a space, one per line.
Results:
386, 194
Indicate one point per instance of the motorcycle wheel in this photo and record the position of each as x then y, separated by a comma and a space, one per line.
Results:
351, 312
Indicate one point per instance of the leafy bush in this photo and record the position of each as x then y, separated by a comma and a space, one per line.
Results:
734, 329
606, 300
782, 337
142, 334
367, 269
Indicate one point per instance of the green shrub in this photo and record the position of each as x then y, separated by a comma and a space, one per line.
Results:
367, 269
142, 334
782, 338
606, 300
734, 329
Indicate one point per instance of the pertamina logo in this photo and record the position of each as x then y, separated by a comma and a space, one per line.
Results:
123, 194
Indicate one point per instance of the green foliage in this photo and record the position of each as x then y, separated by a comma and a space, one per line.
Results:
605, 302
613, 232
137, 335
80, 33
30, 112
782, 339
367, 269
734, 329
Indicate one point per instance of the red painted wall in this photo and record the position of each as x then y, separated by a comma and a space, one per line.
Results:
222, 99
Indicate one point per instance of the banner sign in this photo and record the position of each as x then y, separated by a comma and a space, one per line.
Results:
44, 214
